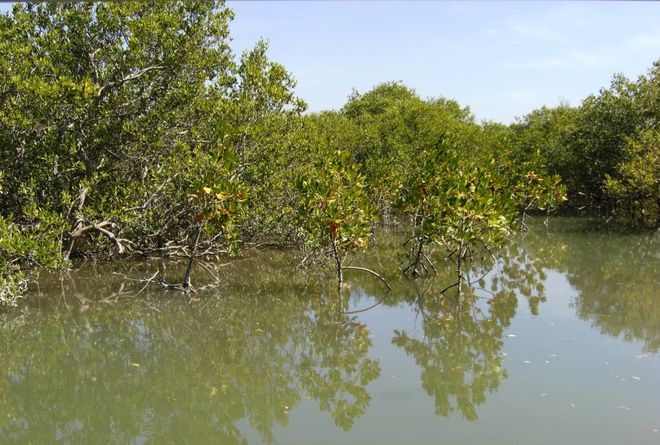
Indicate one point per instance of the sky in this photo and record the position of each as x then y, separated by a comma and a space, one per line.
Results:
502, 59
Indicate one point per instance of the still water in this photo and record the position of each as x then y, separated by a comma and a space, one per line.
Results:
556, 343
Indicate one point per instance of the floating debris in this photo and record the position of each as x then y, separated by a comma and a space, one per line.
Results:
511, 335
624, 408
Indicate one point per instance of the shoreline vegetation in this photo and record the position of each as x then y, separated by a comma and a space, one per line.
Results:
132, 129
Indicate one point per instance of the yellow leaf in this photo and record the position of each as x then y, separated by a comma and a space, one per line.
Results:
207, 190
213, 392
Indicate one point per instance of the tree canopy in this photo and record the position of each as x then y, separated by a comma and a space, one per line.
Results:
132, 128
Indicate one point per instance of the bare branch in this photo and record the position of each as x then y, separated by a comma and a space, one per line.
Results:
364, 269
119, 242
102, 91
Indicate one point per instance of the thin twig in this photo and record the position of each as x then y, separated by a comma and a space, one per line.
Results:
430, 263
449, 287
359, 311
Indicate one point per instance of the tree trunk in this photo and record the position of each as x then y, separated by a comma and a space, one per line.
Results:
186, 278
77, 223
340, 272
418, 257
459, 269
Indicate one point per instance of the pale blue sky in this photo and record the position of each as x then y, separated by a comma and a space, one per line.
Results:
502, 59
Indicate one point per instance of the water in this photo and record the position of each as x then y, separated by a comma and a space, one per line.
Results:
559, 344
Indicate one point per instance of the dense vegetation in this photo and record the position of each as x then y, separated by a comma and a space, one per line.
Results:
132, 129
607, 150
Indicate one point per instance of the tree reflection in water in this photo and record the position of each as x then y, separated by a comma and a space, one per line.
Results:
615, 275
335, 368
159, 369
110, 367
459, 352
460, 349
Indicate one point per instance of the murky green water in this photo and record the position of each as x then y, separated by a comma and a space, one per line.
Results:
558, 345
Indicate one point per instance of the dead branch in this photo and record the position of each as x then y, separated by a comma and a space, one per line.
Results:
99, 227
102, 91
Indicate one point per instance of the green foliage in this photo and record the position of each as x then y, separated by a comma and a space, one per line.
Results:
394, 126
636, 188
546, 132
596, 148
470, 207
264, 87
13, 286
335, 212
132, 127
34, 243
112, 112
528, 184
220, 200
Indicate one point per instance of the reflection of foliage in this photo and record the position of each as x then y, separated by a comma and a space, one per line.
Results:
518, 271
179, 386
159, 368
614, 274
119, 369
335, 368
459, 353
